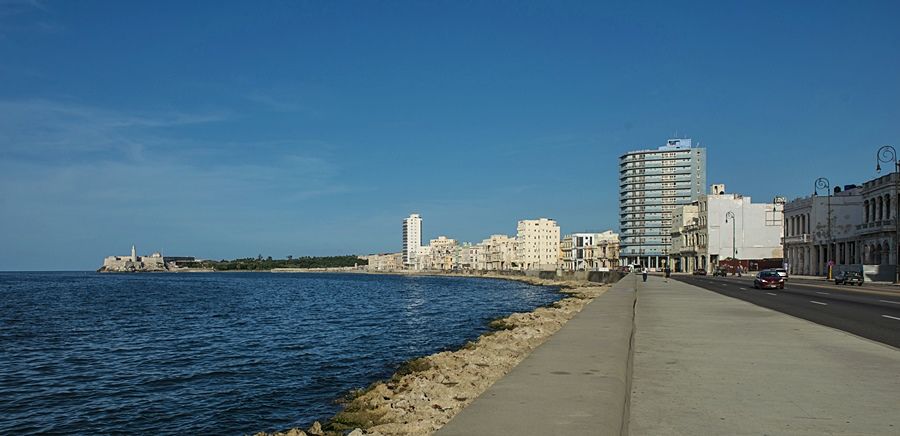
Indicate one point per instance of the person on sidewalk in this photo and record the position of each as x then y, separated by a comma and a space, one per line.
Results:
644, 272
668, 273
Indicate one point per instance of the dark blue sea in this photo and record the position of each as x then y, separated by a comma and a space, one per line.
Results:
225, 353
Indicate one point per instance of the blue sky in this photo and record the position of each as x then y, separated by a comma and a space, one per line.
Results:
231, 129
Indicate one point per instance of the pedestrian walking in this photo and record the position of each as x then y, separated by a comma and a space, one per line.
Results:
644, 272
668, 273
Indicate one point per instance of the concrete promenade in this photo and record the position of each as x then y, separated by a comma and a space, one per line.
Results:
576, 383
701, 364
705, 363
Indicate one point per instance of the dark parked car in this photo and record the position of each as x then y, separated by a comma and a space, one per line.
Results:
720, 272
699, 272
848, 278
768, 279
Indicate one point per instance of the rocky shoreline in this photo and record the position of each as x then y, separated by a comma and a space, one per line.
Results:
425, 393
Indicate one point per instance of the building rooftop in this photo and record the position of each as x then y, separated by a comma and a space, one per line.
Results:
671, 144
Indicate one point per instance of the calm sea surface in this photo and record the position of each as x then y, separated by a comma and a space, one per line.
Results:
85, 353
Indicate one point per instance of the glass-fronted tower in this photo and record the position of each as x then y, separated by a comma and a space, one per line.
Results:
652, 183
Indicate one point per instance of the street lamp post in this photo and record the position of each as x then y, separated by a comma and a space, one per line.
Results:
730, 216
823, 184
887, 154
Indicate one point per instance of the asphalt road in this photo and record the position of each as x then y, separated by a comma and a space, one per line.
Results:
875, 316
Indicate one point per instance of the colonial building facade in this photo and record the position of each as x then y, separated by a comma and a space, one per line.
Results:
854, 228
823, 229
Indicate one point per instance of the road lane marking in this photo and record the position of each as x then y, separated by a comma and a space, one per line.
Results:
891, 317
889, 301
824, 293
771, 293
818, 302
743, 289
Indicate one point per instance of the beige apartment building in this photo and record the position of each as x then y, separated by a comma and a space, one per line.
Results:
500, 253
538, 245
605, 251
443, 253
384, 262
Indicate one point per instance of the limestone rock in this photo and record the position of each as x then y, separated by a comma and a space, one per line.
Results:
316, 429
356, 432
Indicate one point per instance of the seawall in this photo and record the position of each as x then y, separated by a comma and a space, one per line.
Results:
426, 393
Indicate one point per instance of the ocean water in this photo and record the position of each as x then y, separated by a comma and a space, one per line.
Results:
224, 353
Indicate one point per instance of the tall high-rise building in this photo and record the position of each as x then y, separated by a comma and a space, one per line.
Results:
412, 239
652, 183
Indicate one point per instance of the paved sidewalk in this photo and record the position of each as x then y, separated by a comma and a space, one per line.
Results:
575, 383
707, 364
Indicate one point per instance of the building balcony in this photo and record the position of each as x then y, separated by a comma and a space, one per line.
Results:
797, 239
655, 172
888, 225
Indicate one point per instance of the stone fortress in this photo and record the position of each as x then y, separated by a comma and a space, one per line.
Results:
134, 263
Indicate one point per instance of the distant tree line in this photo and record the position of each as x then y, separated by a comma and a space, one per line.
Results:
261, 264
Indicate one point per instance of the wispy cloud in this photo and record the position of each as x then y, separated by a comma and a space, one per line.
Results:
18, 6
46, 144
280, 104
44, 128
26, 16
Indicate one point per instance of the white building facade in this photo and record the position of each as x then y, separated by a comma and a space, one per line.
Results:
652, 183
726, 226
412, 240
589, 251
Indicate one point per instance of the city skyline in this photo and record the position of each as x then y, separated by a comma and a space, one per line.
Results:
308, 129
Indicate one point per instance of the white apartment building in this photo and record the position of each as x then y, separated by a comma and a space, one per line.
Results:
576, 251
537, 244
589, 251
753, 234
412, 240
652, 183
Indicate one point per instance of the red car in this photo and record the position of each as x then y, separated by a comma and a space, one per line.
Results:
768, 279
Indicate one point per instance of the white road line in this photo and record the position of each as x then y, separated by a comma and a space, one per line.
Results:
743, 289
889, 301
818, 302
771, 293
891, 317
824, 293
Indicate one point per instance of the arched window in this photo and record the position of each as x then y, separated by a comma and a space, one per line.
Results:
866, 205
887, 207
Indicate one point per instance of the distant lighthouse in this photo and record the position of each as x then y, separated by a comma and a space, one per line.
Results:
133, 254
